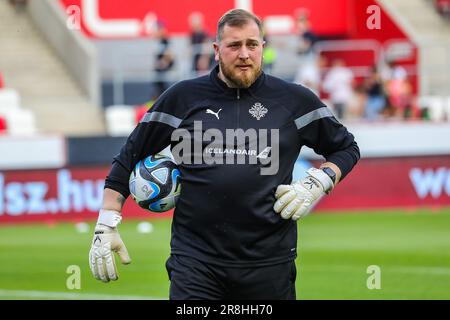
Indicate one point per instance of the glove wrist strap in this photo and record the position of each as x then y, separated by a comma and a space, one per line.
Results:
323, 178
110, 218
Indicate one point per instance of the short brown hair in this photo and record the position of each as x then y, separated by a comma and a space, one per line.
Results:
237, 18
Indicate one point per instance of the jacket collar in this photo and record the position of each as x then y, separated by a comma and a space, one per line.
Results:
214, 76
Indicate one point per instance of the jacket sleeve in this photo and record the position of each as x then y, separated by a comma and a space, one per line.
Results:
322, 132
150, 136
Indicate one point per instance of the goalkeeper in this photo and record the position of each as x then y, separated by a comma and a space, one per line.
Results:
234, 230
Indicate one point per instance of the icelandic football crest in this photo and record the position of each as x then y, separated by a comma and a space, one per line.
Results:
258, 110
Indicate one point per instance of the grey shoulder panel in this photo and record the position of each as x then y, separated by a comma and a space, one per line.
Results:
161, 117
314, 115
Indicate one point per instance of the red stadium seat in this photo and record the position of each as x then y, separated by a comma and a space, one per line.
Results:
3, 126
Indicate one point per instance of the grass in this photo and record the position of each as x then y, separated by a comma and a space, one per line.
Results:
335, 250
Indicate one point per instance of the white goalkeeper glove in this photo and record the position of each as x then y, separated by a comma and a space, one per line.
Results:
106, 241
297, 199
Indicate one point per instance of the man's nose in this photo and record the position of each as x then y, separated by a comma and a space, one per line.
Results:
243, 53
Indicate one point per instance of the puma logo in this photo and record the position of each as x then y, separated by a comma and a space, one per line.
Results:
214, 113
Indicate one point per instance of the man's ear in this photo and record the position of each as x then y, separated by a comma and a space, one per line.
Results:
216, 51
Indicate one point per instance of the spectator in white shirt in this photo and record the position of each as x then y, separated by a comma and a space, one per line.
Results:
338, 83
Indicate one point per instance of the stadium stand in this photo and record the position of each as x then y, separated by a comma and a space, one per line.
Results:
435, 46
14, 119
126, 65
9, 99
46, 86
434, 70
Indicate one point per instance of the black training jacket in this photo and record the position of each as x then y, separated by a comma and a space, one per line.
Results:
225, 214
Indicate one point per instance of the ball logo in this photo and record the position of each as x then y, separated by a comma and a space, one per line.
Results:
146, 191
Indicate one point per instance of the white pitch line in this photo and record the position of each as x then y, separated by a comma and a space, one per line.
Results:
68, 295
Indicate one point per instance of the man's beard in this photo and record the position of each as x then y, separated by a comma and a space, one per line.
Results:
244, 81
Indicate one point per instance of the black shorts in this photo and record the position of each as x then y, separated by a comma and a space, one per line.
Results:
195, 280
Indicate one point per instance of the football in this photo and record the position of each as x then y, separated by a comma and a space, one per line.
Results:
154, 183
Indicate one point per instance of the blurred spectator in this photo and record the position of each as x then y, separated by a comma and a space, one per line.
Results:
307, 38
401, 102
205, 59
399, 91
376, 100
392, 71
338, 83
413, 110
310, 74
389, 110
357, 103
443, 7
269, 56
198, 34
204, 64
202, 54
164, 59
2, 84
401, 96
307, 63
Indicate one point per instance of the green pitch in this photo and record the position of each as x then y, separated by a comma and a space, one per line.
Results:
411, 250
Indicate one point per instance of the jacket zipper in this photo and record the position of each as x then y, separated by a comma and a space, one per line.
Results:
238, 96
